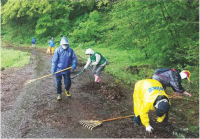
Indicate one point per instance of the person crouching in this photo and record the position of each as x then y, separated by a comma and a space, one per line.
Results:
98, 61
150, 95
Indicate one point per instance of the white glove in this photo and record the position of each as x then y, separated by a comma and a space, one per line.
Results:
94, 63
187, 94
149, 129
85, 67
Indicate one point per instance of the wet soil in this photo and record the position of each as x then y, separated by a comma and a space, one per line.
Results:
32, 111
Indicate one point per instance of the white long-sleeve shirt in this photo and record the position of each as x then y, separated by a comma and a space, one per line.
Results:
98, 58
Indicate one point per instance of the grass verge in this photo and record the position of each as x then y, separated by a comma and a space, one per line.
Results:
13, 58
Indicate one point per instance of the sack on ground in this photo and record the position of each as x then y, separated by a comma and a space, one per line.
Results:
48, 51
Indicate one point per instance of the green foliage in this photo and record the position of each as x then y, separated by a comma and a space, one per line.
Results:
194, 128
13, 58
87, 31
141, 35
10, 34
55, 22
23, 10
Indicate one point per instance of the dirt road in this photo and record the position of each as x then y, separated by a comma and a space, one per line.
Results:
32, 111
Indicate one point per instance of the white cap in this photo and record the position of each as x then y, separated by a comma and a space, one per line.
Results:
183, 75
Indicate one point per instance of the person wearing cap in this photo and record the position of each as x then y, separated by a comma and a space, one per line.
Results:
172, 78
33, 42
149, 95
64, 57
98, 61
51, 45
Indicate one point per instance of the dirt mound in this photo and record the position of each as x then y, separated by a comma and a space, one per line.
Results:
110, 92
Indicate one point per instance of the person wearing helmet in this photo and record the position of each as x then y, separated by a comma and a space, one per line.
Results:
63, 57
51, 46
172, 78
150, 95
33, 42
98, 61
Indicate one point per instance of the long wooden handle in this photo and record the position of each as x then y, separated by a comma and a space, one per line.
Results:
51, 74
117, 118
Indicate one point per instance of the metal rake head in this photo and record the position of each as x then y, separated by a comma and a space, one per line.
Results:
90, 123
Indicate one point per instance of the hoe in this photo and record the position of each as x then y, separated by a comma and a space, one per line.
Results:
80, 72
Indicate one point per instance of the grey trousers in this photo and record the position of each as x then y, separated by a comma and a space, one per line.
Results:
98, 69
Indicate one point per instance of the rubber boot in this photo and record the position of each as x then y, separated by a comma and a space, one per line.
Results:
68, 94
96, 78
52, 50
59, 97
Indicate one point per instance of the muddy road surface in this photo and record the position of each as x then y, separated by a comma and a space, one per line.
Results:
32, 111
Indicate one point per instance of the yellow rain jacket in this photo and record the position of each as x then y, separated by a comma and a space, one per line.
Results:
145, 93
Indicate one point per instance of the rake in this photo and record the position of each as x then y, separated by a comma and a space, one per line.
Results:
90, 124
30, 81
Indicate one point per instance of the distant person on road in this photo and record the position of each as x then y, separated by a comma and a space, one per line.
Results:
51, 45
172, 78
150, 95
63, 57
98, 61
33, 42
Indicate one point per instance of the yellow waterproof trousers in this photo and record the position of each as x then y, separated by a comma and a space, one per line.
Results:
51, 50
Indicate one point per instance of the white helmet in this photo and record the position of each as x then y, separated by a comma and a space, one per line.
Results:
89, 51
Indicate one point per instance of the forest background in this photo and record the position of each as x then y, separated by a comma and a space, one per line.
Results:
136, 36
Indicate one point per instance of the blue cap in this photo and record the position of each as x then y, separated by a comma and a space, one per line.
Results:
163, 107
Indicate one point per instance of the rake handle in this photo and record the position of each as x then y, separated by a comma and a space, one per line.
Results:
51, 74
117, 118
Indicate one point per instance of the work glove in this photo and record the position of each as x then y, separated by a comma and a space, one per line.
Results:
94, 63
149, 129
73, 67
53, 72
187, 94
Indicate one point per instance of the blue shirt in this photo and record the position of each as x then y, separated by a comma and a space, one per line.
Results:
51, 43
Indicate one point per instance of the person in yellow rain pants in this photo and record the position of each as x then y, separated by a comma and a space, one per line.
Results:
150, 95
51, 46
